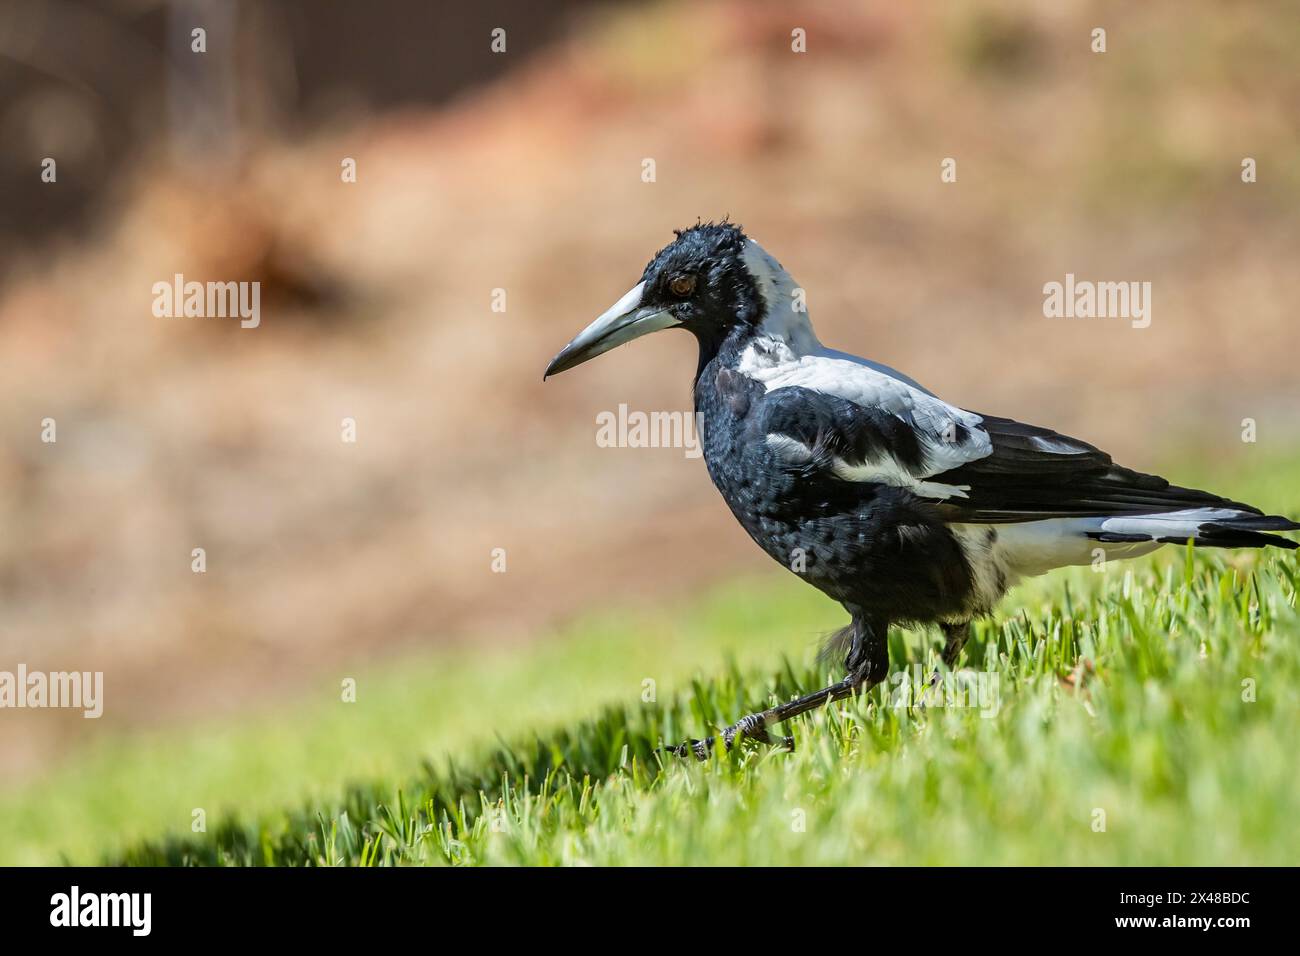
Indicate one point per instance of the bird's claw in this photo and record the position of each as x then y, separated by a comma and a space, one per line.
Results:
751, 726
699, 749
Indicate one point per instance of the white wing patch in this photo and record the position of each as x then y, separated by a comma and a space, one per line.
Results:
935, 422
883, 469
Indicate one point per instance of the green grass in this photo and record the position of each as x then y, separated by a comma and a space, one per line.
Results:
1155, 734
122, 789
1118, 692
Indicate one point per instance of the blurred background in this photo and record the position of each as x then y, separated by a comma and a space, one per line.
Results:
522, 170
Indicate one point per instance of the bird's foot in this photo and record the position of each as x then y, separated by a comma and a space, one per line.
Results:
699, 749
751, 726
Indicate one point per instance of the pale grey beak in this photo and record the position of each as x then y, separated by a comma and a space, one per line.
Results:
625, 320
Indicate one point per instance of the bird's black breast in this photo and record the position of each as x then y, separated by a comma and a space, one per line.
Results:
873, 547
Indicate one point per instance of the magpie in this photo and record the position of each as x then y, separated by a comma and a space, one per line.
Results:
903, 508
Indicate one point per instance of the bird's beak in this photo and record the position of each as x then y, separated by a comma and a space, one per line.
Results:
626, 319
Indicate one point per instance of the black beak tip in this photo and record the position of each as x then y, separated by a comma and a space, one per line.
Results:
557, 366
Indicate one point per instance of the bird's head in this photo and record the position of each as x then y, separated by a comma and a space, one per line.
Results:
709, 280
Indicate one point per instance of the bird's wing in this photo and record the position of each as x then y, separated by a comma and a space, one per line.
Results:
859, 423
839, 419
1035, 473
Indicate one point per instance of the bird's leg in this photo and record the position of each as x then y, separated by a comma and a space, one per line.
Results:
868, 665
754, 726
956, 635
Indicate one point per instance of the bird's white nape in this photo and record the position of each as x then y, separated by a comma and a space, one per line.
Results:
785, 317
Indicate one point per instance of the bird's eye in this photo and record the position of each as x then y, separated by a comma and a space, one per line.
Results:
682, 286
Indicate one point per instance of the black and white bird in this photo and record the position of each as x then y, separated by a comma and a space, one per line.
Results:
900, 506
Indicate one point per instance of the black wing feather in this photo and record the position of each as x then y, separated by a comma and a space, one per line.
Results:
834, 427
1032, 473
1035, 473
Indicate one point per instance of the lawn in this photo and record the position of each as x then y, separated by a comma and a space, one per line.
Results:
1144, 714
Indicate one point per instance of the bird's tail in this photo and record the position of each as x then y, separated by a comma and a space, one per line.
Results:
1206, 527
